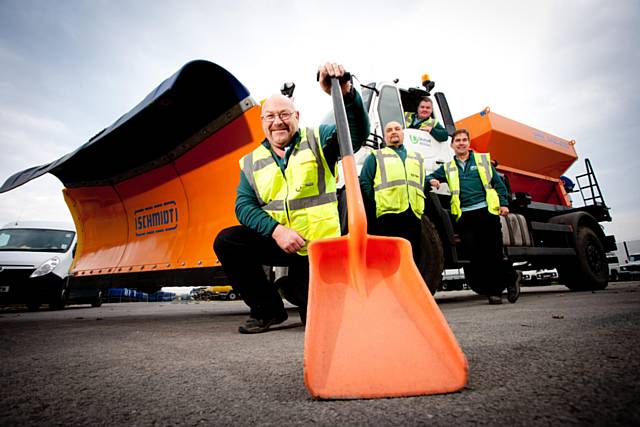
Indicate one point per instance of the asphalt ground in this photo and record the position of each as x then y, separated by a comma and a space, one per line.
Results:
554, 358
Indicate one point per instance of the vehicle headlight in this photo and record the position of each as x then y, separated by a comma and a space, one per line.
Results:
46, 267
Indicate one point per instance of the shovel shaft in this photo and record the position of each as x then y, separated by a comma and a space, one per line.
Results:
356, 213
342, 126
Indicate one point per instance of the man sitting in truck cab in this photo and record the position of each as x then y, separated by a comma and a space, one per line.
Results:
423, 119
394, 179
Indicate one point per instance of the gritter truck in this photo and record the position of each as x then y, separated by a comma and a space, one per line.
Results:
149, 193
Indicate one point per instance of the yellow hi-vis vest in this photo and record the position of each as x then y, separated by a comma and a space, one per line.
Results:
408, 119
398, 185
483, 162
304, 197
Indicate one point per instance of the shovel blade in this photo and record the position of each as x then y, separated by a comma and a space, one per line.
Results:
383, 337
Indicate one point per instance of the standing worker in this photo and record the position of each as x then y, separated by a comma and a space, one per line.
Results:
423, 119
286, 198
394, 179
478, 197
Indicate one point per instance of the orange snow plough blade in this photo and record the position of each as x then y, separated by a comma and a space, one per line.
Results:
149, 194
373, 330
166, 218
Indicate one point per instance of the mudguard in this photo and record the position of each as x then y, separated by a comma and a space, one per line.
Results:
582, 219
149, 193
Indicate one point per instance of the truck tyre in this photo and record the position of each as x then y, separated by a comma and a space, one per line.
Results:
431, 261
589, 271
232, 296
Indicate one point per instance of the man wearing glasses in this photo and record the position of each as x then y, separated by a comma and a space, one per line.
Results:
286, 198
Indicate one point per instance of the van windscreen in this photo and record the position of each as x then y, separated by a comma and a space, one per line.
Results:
35, 240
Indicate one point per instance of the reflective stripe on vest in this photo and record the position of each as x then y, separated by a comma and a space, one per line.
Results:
429, 121
302, 198
483, 162
398, 185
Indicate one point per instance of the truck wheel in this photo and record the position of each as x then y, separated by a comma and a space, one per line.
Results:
431, 262
614, 276
231, 296
589, 271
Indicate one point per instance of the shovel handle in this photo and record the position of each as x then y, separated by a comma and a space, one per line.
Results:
344, 136
356, 214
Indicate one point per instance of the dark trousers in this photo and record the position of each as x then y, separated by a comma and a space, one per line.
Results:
405, 225
243, 252
481, 239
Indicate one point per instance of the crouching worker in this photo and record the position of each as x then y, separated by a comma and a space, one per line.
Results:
286, 198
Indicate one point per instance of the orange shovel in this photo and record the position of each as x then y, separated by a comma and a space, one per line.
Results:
373, 328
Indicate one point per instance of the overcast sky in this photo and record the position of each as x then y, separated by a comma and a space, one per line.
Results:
69, 68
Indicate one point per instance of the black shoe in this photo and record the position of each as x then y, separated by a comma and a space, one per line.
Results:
495, 299
258, 326
513, 291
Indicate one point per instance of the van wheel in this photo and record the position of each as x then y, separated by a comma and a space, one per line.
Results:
289, 291
97, 302
33, 306
60, 300
472, 280
589, 271
431, 262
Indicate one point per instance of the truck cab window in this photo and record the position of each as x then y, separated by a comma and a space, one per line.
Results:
389, 106
367, 95
410, 100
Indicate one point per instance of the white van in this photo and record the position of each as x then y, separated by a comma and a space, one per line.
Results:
614, 266
630, 270
35, 257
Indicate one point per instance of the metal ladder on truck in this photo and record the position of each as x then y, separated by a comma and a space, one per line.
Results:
591, 194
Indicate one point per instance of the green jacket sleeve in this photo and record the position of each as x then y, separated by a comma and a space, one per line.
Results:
367, 174
498, 184
439, 133
436, 174
358, 128
249, 212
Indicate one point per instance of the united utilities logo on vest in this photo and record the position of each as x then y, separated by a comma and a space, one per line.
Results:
156, 219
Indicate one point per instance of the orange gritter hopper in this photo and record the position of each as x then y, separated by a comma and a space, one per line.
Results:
532, 160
